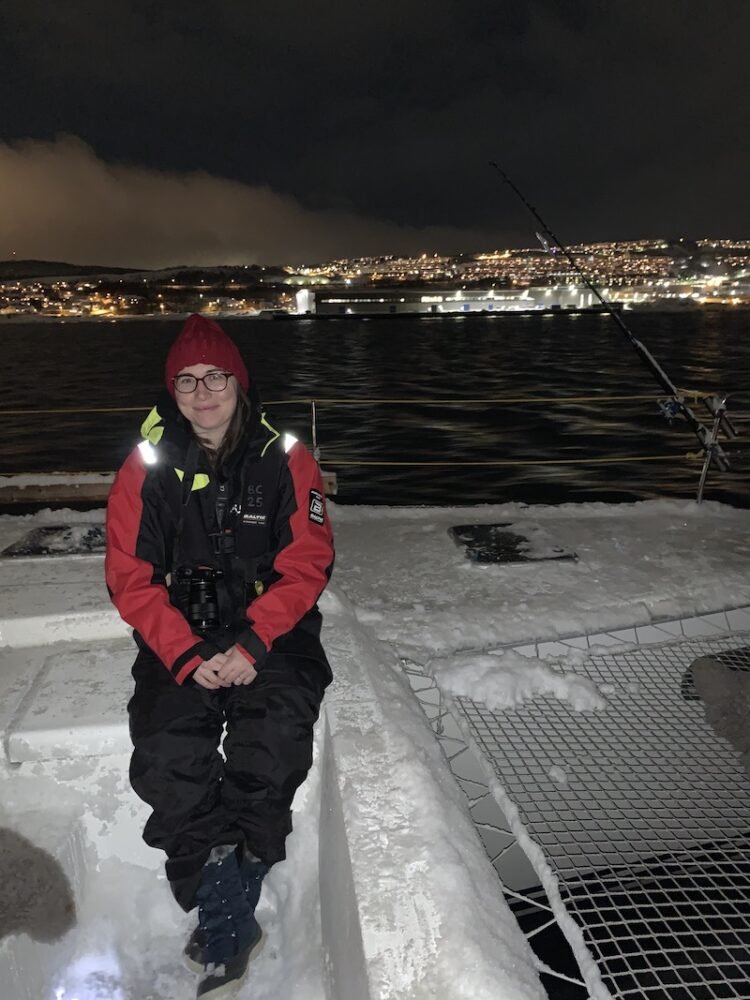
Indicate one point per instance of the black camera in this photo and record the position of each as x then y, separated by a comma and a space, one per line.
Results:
202, 600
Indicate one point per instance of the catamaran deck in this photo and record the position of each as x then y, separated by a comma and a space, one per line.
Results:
622, 831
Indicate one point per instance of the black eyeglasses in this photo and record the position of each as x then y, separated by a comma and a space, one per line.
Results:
213, 381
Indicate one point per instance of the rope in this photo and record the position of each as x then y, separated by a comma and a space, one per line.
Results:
487, 463
96, 409
50, 481
370, 401
505, 400
690, 456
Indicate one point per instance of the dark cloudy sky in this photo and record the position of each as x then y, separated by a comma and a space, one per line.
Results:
150, 132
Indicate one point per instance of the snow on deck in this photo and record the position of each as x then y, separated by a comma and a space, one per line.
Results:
638, 564
76, 706
414, 587
407, 903
404, 873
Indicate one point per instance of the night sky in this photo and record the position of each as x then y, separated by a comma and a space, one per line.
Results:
157, 132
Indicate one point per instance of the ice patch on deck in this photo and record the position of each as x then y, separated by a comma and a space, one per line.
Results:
58, 540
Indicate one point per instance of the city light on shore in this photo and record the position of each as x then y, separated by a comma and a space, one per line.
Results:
636, 274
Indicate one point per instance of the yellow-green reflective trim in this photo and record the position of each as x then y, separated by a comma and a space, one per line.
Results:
276, 434
150, 429
200, 480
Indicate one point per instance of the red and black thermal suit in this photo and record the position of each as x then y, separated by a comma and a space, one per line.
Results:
261, 522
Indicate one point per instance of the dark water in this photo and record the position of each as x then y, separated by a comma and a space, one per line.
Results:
463, 359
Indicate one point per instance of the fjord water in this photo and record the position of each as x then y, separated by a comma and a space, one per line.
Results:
452, 362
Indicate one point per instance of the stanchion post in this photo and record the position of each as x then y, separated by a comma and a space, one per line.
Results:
314, 421
718, 408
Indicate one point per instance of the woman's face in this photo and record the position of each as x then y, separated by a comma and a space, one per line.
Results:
208, 412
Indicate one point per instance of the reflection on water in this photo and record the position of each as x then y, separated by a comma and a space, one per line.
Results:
466, 358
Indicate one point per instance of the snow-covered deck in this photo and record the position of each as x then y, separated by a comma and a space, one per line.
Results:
382, 861
386, 892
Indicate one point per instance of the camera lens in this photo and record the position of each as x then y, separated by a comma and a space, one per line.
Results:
203, 603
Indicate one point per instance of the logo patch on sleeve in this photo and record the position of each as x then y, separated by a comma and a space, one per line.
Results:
317, 510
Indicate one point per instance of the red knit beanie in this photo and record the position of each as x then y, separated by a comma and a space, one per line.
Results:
203, 342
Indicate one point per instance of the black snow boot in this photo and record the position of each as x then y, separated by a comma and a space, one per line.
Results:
252, 873
227, 928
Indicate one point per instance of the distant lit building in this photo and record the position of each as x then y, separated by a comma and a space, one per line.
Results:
369, 301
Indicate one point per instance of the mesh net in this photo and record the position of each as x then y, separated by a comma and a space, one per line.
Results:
643, 813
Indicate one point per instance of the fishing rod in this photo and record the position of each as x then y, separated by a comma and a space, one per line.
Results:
707, 439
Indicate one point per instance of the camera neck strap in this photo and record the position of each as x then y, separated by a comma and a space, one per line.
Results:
191, 464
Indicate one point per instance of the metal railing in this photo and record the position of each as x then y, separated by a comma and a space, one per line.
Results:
715, 405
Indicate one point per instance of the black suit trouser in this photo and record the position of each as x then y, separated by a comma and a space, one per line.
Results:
202, 798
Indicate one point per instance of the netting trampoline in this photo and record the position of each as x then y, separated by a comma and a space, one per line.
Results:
643, 815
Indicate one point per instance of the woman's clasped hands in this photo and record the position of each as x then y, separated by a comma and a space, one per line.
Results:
224, 670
